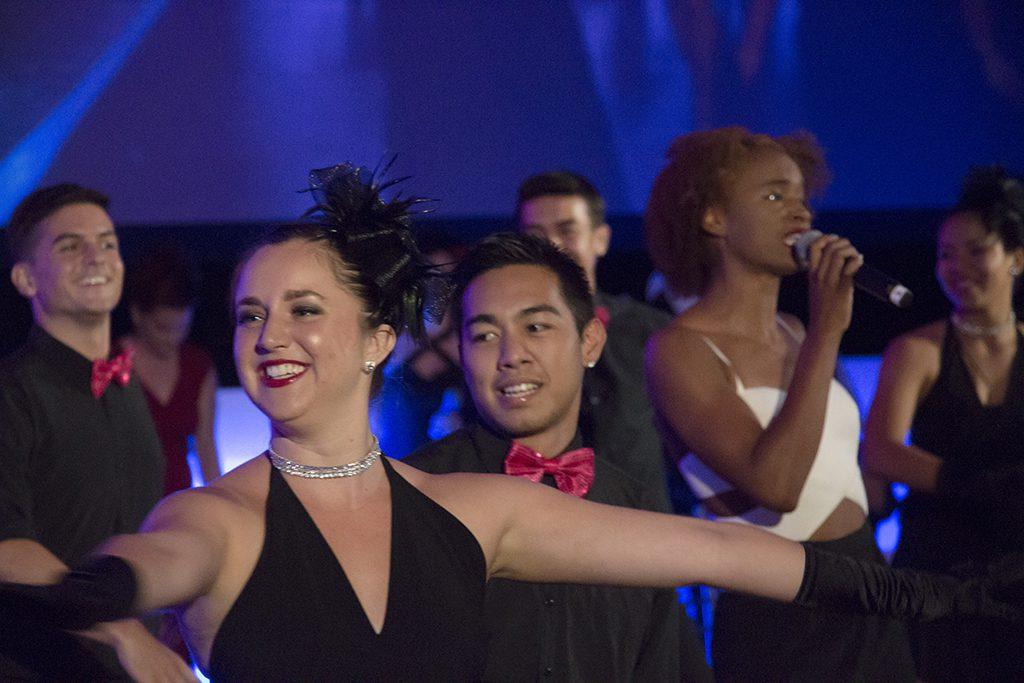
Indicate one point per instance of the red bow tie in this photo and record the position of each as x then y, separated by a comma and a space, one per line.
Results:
573, 471
118, 368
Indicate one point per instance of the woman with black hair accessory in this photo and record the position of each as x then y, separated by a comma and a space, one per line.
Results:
322, 560
957, 385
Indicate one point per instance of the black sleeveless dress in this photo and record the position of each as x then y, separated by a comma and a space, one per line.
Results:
937, 534
298, 618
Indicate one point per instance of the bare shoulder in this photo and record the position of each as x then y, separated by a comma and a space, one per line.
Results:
484, 503
913, 361
230, 499
477, 499
934, 332
919, 348
684, 333
680, 361
461, 488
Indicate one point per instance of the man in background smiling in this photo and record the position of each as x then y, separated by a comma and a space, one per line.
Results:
79, 457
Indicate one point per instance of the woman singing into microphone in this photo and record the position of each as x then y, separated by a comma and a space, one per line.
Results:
746, 395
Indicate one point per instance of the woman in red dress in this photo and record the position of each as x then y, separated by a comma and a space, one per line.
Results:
178, 377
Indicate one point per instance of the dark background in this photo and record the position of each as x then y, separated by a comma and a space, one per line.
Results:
212, 111
201, 118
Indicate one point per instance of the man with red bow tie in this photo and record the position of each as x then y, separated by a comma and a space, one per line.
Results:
79, 457
527, 332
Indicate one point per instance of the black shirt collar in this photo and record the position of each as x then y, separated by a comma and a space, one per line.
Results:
59, 357
488, 440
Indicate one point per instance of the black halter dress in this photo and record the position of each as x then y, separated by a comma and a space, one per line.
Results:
940, 534
299, 619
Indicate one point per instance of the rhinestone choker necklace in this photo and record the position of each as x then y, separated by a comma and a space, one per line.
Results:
325, 471
979, 331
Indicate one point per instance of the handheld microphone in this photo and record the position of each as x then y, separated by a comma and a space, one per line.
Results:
867, 279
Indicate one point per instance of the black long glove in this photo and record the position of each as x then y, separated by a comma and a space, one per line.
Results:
848, 584
100, 589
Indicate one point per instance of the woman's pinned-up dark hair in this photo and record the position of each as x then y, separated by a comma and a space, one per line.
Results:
369, 240
998, 199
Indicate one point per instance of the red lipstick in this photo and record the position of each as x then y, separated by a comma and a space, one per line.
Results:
279, 373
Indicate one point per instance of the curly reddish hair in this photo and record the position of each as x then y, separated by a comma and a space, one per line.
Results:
701, 170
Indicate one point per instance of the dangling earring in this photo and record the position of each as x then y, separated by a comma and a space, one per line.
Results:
368, 367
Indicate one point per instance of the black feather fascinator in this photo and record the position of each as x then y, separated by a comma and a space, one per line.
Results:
373, 235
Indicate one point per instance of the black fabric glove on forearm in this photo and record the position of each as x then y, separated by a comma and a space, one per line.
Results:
847, 584
100, 589
986, 488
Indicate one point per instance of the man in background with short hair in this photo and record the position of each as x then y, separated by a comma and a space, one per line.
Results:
79, 457
568, 211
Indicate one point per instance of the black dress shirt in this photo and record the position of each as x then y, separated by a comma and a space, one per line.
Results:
74, 469
560, 631
616, 414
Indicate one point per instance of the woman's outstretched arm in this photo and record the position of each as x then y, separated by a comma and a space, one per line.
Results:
173, 560
178, 553
535, 533
550, 536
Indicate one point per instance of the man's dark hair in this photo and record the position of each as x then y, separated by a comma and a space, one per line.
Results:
562, 184
20, 235
511, 249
